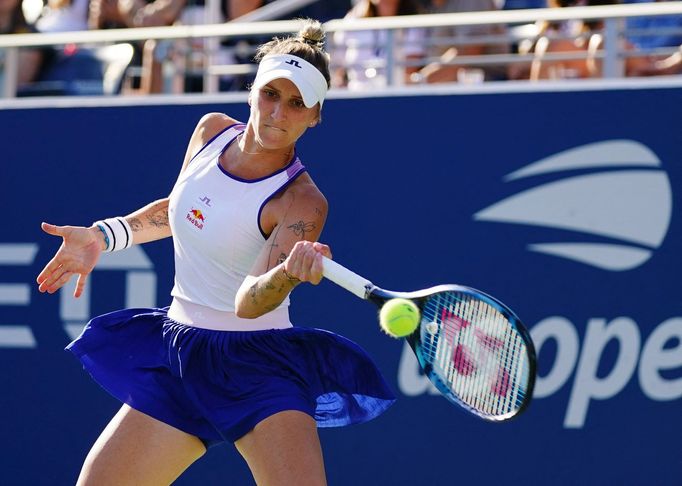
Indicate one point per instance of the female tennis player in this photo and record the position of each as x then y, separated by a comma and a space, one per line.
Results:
223, 362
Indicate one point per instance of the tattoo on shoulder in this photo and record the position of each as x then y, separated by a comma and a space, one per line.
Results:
135, 224
318, 211
282, 257
301, 228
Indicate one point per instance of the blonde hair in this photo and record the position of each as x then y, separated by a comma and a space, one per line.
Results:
307, 44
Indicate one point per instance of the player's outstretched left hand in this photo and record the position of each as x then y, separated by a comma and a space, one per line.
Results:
78, 255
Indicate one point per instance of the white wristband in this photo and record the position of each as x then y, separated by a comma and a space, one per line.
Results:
117, 233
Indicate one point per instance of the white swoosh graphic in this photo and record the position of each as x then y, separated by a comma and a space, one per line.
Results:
610, 153
631, 205
605, 256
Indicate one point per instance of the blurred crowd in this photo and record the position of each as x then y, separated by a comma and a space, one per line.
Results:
454, 54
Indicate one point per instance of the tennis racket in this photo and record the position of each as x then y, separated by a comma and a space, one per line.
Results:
472, 347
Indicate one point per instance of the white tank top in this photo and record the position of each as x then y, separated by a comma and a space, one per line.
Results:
214, 218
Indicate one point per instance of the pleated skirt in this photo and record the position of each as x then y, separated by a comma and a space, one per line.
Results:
217, 385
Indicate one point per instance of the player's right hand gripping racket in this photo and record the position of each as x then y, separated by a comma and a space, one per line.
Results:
472, 347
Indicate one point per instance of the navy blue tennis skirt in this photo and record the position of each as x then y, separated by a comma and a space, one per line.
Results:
217, 385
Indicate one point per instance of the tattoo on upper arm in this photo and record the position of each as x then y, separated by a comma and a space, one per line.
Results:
301, 228
273, 245
318, 211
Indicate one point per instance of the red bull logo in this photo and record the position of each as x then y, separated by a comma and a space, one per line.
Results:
196, 217
198, 214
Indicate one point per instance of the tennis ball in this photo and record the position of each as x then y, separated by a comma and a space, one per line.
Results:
399, 317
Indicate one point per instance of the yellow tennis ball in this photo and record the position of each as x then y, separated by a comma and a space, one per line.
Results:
399, 317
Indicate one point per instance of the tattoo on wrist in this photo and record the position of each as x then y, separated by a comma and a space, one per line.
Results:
291, 278
280, 261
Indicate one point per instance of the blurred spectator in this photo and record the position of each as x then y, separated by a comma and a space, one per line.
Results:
458, 41
583, 37
570, 36
31, 60
188, 56
359, 57
64, 16
117, 14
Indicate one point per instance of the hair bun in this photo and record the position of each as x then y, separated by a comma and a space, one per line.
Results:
312, 42
312, 33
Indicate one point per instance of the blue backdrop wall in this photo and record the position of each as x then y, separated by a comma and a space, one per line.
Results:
564, 205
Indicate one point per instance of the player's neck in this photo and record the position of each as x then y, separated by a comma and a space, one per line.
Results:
248, 159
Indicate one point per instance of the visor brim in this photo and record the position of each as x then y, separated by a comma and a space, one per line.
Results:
310, 97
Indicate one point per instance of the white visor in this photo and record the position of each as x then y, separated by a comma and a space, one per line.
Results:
307, 78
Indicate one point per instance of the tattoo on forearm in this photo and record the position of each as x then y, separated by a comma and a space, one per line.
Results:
271, 307
158, 219
301, 228
258, 294
253, 291
135, 224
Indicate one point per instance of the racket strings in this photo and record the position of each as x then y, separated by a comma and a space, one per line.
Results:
475, 352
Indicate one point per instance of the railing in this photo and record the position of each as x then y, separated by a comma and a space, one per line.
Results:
612, 53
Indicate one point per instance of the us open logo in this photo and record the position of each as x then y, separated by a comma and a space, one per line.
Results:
140, 291
623, 210
614, 203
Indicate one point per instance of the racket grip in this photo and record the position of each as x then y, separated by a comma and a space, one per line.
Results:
343, 277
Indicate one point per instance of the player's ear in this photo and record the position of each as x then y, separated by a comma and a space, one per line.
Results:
316, 121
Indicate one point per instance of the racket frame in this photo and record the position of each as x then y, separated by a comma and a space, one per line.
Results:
366, 290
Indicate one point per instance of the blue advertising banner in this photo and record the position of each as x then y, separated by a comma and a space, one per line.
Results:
564, 205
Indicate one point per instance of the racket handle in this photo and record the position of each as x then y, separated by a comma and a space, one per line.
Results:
343, 277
